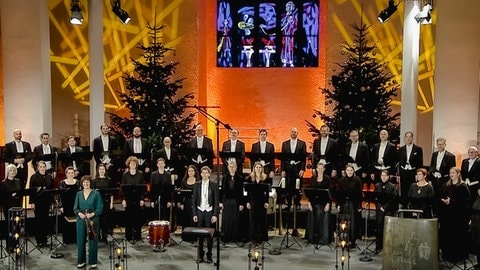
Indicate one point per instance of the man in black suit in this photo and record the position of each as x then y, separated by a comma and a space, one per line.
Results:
68, 160
440, 164
46, 149
172, 160
234, 146
139, 147
470, 171
356, 153
383, 156
205, 209
17, 152
200, 149
103, 146
326, 150
264, 147
410, 157
294, 153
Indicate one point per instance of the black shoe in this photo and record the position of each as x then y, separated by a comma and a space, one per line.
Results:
200, 260
209, 259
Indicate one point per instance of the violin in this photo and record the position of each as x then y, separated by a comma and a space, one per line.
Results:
90, 227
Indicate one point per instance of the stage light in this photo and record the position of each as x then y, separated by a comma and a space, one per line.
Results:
122, 15
386, 13
76, 18
425, 15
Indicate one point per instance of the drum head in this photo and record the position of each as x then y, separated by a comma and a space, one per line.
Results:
164, 223
155, 223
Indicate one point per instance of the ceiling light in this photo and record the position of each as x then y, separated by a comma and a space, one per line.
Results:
76, 17
386, 13
122, 15
425, 15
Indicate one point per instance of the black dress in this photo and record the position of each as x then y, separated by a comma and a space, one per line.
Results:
134, 216
68, 199
42, 203
231, 195
187, 219
421, 198
453, 221
350, 202
258, 213
318, 219
104, 186
8, 188
386, 197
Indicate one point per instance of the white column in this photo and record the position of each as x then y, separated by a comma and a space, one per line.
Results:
456, 100
26, 68
95, 37
411, 39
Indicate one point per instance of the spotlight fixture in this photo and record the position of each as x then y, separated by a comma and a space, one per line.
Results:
386, 13
425, 15
76, 17
122, 15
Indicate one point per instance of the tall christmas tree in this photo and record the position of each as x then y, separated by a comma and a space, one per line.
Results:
151, 97
361, 94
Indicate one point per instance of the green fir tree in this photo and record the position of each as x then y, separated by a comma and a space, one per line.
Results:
361, 94
151, 97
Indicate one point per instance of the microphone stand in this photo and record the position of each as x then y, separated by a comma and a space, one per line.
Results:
203, 110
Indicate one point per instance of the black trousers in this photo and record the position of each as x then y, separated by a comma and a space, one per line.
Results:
204, 220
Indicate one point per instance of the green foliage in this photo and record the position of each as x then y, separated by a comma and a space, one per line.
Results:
152, 97
361, 94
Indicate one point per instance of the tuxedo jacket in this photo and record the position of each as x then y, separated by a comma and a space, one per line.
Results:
474, 173
239, 148
361, 158
68, 160
416, 157
11, 153
213, 197
98, 147
38, 151
207, 145
173, 162
301, 149
128, 150
332, 154
269, 149
448, 162
389, 157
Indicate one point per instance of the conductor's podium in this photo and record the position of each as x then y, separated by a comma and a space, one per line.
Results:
410, 243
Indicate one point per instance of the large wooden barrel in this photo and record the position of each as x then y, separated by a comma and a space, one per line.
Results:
410, 243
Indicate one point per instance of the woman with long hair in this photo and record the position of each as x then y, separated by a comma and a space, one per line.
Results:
454, 217
319, 208
232, 202
9, 187
188, 181
257, 203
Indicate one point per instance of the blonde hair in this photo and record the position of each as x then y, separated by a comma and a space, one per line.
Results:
253, 176
460, 180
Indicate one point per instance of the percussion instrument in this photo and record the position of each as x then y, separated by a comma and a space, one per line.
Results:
159, 232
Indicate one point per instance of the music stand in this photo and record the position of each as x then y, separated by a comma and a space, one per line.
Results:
225, 156
106, 193
192, 233
318, 196
368, 197
28, 192
133, 193
54, 193
267, 158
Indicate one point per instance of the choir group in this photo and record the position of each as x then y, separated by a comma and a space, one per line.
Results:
178, 188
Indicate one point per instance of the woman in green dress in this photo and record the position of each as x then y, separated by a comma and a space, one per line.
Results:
88, 207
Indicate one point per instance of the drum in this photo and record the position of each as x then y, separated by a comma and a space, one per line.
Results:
159, 232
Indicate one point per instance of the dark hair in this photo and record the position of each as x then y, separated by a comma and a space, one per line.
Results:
85, 178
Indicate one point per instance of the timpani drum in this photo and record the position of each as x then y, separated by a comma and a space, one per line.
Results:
159, 232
